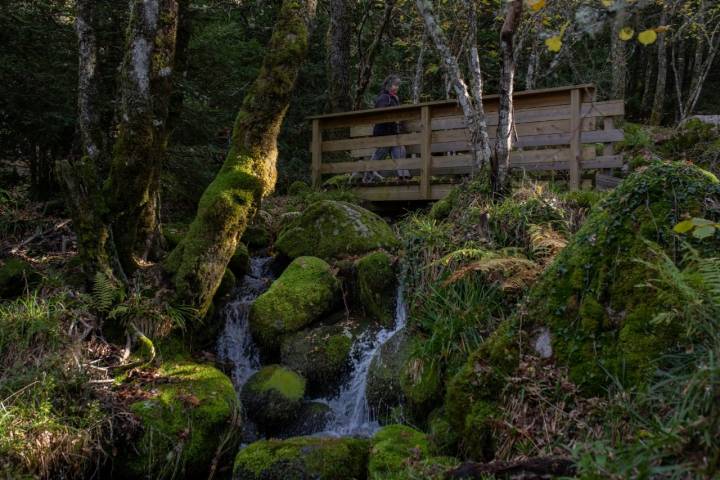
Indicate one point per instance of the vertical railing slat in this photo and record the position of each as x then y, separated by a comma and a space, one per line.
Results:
575, 132
316, 149
426, 152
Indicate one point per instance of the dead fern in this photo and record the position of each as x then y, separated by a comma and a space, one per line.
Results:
511, 273
546, 243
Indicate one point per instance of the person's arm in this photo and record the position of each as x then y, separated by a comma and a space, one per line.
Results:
383, 101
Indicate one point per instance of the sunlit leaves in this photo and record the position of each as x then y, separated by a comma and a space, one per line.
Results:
535, 5
626, 34
554, 43
607, 3
701, 228
647, 37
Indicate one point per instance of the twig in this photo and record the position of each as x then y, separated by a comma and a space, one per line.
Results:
57, 226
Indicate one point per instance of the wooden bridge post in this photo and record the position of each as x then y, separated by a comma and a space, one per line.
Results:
316, 149
425, 152
575, 133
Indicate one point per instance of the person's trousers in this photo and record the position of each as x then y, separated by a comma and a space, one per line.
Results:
396, 153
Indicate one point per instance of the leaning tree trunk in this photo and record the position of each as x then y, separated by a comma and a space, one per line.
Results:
249, 172
659, 100
503, 144
146, 88
473, 118
338, 41
417, 84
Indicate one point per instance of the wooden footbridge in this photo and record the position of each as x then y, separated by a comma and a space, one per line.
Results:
556, 130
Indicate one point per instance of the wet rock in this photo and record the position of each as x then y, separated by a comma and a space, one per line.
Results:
272, 397
240, 261
312, 418
376, 286
384, 390
332, 229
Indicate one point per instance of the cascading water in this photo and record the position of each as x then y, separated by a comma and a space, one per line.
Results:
351, 415
235, 345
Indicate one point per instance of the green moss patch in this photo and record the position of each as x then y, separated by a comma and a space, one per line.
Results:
183, 422
394, 449
303, 457
303, 293
320, 354
273, 396
240, 261
376, 286
331, 229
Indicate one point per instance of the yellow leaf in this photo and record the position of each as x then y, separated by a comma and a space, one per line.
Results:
662, 28
536, 5
647, 37
607, 3
626, 34
554, 43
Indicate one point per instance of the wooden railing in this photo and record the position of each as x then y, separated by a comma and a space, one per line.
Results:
558, 129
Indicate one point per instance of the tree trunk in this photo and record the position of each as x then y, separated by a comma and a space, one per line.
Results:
648, 83
701, 68
503, 144
146, 87
249, 172
659, 100
366, 64
338, 42
419, 70
474, 118
618, 61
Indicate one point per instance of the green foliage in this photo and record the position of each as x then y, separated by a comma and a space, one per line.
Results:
105, 292
636, 138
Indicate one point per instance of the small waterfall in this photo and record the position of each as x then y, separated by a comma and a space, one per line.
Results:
351, 415
235, 345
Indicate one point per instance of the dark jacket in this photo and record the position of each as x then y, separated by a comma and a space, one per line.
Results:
385, 99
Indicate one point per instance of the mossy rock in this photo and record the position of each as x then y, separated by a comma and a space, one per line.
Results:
600, 320
305, 291
273, 396
320, 354
227, 285
443, 207
303, 458
313, 417
174, 233
443, 437
256, 237
332, 229
240, 261
394, 449
384, 390
376, 286
183, 422
15, 276
422, 385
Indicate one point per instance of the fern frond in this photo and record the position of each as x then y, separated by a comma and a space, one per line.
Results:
463, 254
512, 273
545, 242
104, 292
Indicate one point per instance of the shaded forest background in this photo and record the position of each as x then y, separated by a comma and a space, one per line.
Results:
225, 44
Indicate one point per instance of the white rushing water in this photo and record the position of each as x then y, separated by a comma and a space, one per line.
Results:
351, 414
235, 345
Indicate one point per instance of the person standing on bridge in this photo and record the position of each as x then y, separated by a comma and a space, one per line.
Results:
388, 97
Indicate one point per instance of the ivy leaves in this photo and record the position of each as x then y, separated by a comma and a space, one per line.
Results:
701, 228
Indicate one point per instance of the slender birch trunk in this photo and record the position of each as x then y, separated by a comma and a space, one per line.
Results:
618, 59
503, 145
419, 70
659, 100
199, 261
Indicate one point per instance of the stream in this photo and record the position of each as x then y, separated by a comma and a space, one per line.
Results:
351, 415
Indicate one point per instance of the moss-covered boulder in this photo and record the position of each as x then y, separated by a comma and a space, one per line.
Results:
305, 291
312, 418
227, 285
421, 381
332, 229
320, 354
273, 397
443, 437
183, 420
383, 390
303, 458
600, 319
15, 276
394, 449
376, 286
240, 261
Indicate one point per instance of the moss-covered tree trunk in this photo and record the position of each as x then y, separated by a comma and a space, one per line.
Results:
112, 191
146, 87
198, 262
